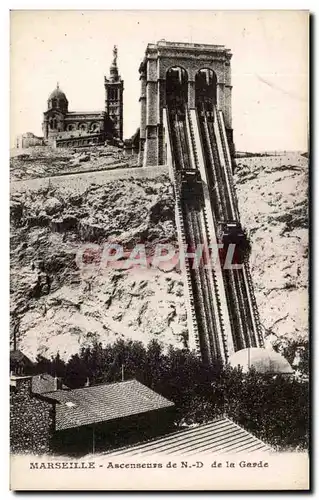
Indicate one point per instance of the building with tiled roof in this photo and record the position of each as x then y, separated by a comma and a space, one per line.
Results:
47, 416
220, 436
19, 363
103, 403
126, 418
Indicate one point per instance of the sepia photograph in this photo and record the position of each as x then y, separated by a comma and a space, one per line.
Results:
159, 309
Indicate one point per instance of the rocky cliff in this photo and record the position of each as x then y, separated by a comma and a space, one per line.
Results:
273, 201
55, 306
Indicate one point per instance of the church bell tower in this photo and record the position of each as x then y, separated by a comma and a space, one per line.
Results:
114, 87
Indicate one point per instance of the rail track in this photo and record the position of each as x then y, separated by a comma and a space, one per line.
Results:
205, 297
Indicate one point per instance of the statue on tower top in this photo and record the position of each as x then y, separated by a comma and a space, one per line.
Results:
114, 74
114, 55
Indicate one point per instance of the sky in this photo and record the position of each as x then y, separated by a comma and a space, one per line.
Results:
74, 48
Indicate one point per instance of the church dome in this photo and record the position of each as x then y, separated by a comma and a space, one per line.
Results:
57, 94
57, 100
263, 360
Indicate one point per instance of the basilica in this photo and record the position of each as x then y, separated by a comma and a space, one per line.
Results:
64, 128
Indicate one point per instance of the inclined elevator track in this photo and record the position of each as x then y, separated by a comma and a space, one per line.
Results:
205, 302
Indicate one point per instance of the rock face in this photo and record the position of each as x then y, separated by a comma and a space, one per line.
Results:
44, 161
57, 306
272, 195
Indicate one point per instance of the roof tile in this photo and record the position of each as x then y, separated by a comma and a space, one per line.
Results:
105, 402
220, 436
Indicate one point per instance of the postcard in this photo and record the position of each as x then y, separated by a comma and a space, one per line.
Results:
159, 334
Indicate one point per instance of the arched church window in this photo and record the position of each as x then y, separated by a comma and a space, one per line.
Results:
94, 127
54, 103
113, 94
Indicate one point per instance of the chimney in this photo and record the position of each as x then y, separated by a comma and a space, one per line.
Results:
55, 387
87, 383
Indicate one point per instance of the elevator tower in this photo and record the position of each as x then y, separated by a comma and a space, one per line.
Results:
206, 72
